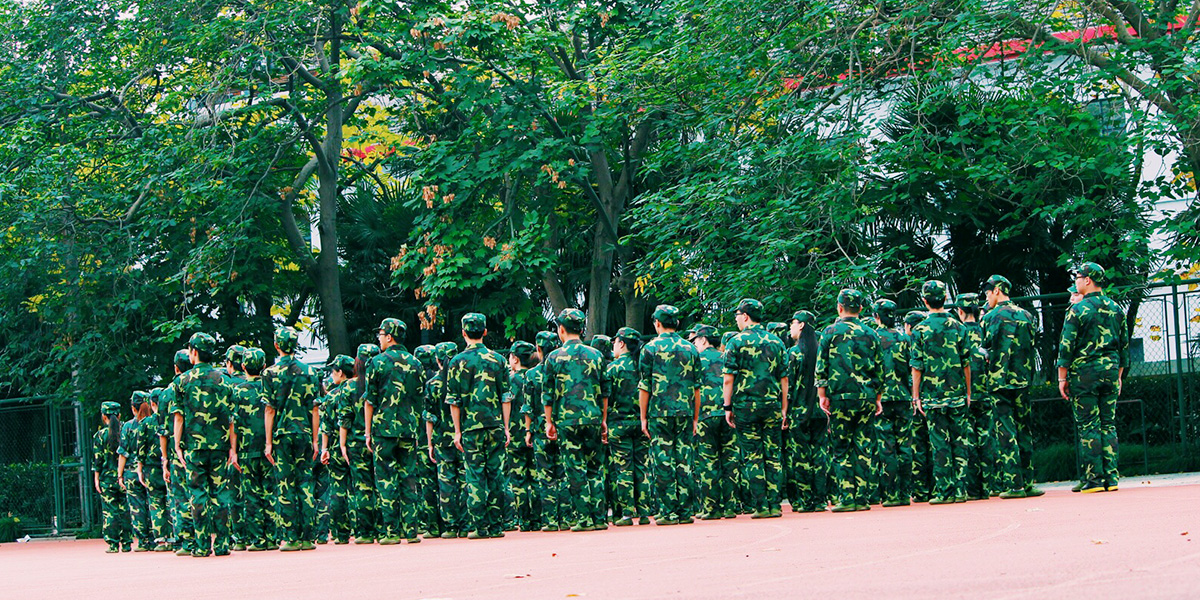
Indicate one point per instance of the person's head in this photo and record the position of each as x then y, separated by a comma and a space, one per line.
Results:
362, 356
885, 312
182, 361
779, 328
800, 320
850, 302
912, 319
748, 312
1089, 277
341, 368
706, 337
110, 413
1075, 295
233, 359
666, 318
474, 327
627, 341
391, 332
155, 398
522, 355
967, 306
933, 293
546, 342
725, 337
202, 348
254, 360
443, 352
424, 355
570, 323
140, 403
996, 290
286, 340
603, 344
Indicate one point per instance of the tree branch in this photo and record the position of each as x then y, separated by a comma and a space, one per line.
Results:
290, 228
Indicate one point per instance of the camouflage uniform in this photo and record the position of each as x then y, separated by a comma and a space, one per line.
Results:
1008, 339
848, 367
519, 462
895, 431
922, 462
136, 498
395, 392
116, 528
627, 449
756, 360
205, 406
451, 476
341, 485
232, 375
259, 523
364, 500
1094, 348
716, 442
940, 353
553, 503
981, 479
291, 389
151, 458
476, 380
571, 392
427, 478
669, 371
806, 440
177, 494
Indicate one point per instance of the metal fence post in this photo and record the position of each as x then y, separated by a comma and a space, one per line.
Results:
1183, 413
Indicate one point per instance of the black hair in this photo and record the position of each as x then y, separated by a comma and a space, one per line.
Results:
888, 319
635, 347
183, 364
808, 370
713, 340
114, 432
669, 322
572, 328
971, 311
204, 355
527, 361
936, 303
255, 372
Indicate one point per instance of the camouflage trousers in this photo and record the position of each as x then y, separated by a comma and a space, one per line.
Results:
849, 441
716, 466
295, 501
948, 438
982, 473
258, 523
337, 497
114, 513
895, 466
157, 503
364, 501
451, 488
396, 481
321, 500
582, 454
233, 478
1014, 440
551, 482
428, 494
211, 499
806, 463
181, 509
137, 503
628, 470
670, 464
483, 470
518, 466
922, 464
1094, 400
759, 438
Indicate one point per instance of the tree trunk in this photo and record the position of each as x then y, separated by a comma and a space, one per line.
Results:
600, 282
327, 276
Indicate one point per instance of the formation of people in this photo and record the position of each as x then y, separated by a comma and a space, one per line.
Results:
455, 440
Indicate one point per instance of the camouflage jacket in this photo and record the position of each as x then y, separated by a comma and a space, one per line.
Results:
351, 416
104, 459
1008, 342
848, 361
712, 383
571, 385
978, 360
669, 369
149, 448
534, 377
128, 447
250, 401
755, 357
331, 407
940, 352
291, 388
516, 398
206, 403
620, 386
476, 382
1094, 336
893, 365
437, 411
395, 389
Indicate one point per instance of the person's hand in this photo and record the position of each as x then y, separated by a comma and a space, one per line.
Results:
507, 437
918, 408
429, 449
879, 405
233, 461
121, 482
166, 471
269, 452
695, 427
603, 432
1064, 390
316, 450
824, 403
784, 422
458, 441
645, 429
1120, 380
179, 455
325, 456
551, 431
528, 439
370, 445
346, 457
142, 480
96, 484
729, 419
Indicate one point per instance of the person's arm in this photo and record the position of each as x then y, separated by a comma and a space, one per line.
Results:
821, 375
696, 411
162, 448
643, 408
269, 422
506, 410
528, 431
783, 396
324, 448
316, 428
429, 441
368, 415
967, 375
456, 417
121, 470
233, 442
1066, 351
727, 398
916, 392
342, 444
178, 428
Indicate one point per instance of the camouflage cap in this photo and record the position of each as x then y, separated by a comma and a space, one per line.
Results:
424, 353
202, 342
998, 282
235, 353
751, 308
967, 300
342, 363
367, 351
572, 317
393, 327
445, 351
706, 331
665, 313
1090, 270
803, 316
883, 306
914, 317
110, 408
474, 323
933, 290
728, 335
777, 327
851, 299
181, 360
521, 349
546, 340
603, 343
139, 398
628, 334
287, 339
254, 359
156, 394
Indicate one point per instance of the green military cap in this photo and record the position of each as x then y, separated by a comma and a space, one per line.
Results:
728, 335
234, 354
777, 327
998, 282
181, 360
546, 340
751, 308
1073, 289
367, 351
445, 351
1090, 270
933, 290
851, 299
254, 359
424, 354
393, 327
287, 339
629, 334
139, 398
521, 349
156, 394
110, 408
705, 331
474, 323
342, 363
883, 306
803, 316
967, 300
202, 342
914, 317
603, 343
572, 317
665, 313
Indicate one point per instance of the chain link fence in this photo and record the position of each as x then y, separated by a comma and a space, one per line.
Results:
45, 478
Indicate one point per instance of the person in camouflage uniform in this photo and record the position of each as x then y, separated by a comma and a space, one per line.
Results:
476, 381
522, 356
204, 416
850, 388
394, 397
181, 512
922, 462
1008, 339
290, 426
129, 479
627, 467
941, 370
755, 399
352, 431
553, 501
571, 399
341, 518
981, 479
105, 472
151, 466
604, 345
1093, 354
439, 433
257, 527
895, 424
233, 374
427, 478
805, 442
716, 445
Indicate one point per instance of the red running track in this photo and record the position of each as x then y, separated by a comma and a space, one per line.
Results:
1136, 543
